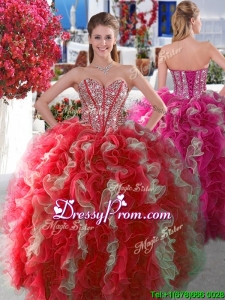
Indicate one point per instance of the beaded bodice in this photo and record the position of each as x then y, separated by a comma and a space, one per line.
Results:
102, 107
188, 84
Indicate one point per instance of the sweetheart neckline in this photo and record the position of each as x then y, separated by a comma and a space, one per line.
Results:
103, 87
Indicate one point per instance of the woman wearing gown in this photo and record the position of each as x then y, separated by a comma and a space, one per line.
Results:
195, 119
70, 222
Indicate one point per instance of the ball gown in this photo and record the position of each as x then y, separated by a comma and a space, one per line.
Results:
195, 122
78, 220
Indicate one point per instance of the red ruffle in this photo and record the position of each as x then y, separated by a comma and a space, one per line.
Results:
71, 161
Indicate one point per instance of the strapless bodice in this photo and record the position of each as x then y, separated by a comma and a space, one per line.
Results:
102, 107
188, 84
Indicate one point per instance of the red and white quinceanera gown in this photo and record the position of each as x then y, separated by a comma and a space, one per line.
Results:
79, 167
195, 122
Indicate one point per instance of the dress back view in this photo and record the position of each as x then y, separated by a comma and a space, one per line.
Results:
195, 120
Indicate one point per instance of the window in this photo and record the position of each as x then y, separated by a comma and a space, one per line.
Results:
107, 6
166, 10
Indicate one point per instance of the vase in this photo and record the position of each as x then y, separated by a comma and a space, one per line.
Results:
15, 131
143, 65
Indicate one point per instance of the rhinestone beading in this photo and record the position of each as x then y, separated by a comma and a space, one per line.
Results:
189, 84
102, 107
106, 69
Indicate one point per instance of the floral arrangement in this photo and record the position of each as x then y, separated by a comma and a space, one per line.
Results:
128, 26
142, 42
215, 75
65, 110
28, 30
142, 38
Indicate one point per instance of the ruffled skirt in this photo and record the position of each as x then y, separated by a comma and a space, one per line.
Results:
197, 128
111, 215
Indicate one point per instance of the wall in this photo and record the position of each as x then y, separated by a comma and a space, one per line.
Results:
213, 23
95, 7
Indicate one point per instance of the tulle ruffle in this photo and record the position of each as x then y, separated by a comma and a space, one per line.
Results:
119, 258
197, 127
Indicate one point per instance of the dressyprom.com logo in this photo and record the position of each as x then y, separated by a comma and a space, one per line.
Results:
64, 210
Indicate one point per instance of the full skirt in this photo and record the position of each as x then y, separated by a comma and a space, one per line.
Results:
85, 216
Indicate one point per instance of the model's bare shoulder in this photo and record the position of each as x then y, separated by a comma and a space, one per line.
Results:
163, 54
208, 45
207, 48
203, 46
169, 51
127, 70
76, 74
131, 72
77, 70
166, 47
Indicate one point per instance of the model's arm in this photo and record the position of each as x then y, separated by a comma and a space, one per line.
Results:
158, 105
162, 69
218, 58
66, 81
